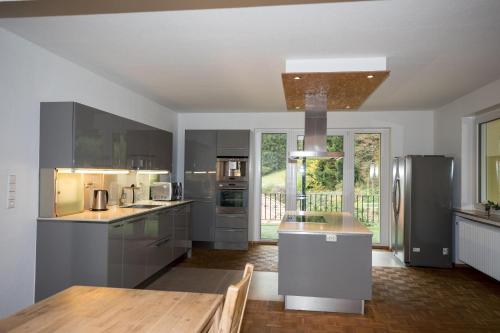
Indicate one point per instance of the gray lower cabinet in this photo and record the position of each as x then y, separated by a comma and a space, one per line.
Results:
120, 254
203, 221
159, 248
115, 255
182, 241
134, 252
231, 231
311, 266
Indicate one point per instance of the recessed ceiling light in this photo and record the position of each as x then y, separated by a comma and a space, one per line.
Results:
370, 76
297, 107
297, 78
347, 106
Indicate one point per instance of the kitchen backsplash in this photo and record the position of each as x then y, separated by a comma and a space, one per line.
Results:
74, 191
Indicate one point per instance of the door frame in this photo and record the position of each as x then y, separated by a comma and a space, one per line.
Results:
348, 171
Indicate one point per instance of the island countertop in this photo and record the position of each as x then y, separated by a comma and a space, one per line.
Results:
116, 213
321, 223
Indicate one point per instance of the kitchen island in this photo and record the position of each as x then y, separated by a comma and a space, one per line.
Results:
325, 262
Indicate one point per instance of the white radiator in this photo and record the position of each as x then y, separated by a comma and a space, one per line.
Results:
479, 246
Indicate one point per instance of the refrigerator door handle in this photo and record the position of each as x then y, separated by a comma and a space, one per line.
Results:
394, 198
398, 184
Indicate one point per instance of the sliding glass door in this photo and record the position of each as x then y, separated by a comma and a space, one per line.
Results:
356, 183
273, 174
367, 149
320, 183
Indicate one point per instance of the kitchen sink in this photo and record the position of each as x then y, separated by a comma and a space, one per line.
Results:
142, 206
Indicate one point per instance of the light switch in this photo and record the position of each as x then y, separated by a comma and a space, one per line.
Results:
11, 191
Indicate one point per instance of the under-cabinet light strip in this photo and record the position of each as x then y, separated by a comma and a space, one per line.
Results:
94, 171
153, 172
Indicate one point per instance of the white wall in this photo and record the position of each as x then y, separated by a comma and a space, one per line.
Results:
28, 76
412, 132
452, 137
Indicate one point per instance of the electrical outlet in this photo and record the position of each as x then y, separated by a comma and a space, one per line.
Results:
416, 249
331, 237
445, 251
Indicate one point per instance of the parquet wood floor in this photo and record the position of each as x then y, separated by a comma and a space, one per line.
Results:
404, 299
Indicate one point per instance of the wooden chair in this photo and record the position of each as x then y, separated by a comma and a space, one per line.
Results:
235, 303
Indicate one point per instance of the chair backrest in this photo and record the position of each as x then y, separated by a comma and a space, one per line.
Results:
235, 302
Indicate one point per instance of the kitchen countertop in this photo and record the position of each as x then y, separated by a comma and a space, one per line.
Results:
335, 223
116, 213
479, 216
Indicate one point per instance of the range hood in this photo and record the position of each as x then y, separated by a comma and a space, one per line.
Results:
315, 130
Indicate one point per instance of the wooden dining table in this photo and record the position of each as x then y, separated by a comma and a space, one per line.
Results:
101, 309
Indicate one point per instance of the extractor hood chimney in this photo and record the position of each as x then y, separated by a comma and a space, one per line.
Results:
319, 85
315, 129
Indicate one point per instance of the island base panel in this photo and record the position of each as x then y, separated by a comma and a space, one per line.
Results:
324, 304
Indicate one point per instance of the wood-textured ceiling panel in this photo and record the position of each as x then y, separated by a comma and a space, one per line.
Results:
90, 7
345, 90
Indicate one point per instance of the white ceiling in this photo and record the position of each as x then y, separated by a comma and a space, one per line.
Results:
231, 60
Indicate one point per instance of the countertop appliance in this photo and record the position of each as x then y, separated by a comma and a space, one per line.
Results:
100, 200
161, 191
130, 194
177, 192
166, 191
232, 169
421, 230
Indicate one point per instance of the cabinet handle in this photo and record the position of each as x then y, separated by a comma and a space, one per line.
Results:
163, 242
118, 226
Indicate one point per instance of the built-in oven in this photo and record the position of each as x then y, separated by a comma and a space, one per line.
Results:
232, 198
232, 169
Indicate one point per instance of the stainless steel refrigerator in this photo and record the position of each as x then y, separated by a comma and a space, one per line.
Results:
421, 230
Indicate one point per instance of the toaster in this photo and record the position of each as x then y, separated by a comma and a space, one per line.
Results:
162, 191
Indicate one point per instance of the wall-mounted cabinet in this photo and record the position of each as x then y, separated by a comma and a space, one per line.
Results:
233, 143
73, 135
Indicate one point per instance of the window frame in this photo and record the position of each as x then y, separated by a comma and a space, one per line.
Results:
488, 115
480, 182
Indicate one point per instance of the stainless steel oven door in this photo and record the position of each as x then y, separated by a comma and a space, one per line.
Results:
232, 199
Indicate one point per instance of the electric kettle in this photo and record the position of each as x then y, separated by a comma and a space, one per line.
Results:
99, 200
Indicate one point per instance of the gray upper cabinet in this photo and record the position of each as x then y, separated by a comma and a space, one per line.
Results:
200, 150
73, 135
233, 143
93, 133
